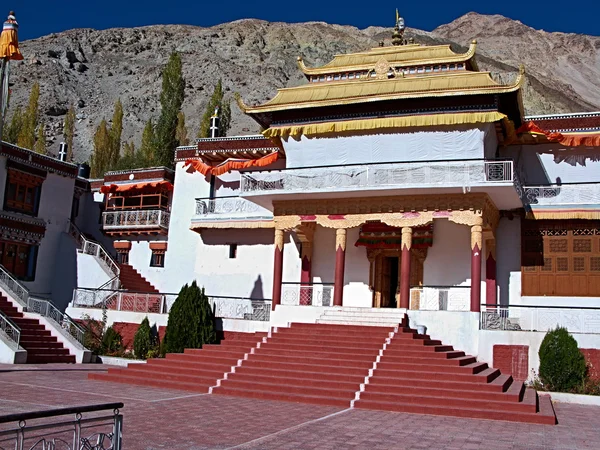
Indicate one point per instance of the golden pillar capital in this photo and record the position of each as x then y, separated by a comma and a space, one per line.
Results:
340, 239
476, 236
407, 238
279, 239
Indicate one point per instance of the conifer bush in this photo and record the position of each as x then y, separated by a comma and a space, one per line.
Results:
143, 340
191, 321
562, 365
112, 342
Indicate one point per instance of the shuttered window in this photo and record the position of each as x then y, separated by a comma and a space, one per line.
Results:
560, 257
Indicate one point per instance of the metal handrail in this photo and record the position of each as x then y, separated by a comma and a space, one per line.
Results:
19, 292
10, 329
46, 309
100, 252
59, 412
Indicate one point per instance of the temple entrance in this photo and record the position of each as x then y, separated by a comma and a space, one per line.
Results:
384, 277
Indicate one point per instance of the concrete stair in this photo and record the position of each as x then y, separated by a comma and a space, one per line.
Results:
374, 317
41, 346
418, 375
133, 281
195, 370
309, 363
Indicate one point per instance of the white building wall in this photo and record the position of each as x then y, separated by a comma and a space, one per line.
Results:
55, 209
448, 261
508, 260
356, 276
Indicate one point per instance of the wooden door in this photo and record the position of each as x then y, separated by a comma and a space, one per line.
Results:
386, 268
9, 257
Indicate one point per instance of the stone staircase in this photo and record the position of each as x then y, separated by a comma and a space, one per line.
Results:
41, 346
348, 315
194, 370
132, 280
391, 368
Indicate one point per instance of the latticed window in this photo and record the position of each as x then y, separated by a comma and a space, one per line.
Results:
23, 192
560, 257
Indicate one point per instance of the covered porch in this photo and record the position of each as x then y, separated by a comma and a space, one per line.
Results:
405, 252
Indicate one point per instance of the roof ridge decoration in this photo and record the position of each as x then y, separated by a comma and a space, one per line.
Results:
401, 55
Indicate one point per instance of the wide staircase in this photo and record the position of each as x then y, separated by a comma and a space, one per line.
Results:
132, 280
390, 368
35, 338
195, 370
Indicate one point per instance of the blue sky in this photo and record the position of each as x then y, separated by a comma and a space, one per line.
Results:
41, 17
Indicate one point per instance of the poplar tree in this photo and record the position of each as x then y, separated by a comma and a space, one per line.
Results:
69, 131
181, 132
147, 152
40, 142
12, 131
129, 159
26, 137
216, 101
171, 99
115, 132
100, 161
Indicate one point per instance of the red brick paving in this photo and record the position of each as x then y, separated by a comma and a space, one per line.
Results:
167, 419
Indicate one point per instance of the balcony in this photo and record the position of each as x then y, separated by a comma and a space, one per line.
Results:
226, 211
564, 194
153, 221
437, 176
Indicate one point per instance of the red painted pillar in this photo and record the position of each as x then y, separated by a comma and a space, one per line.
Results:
277, 269
340, 263
306, 276
405, 268
476, 244
491, 293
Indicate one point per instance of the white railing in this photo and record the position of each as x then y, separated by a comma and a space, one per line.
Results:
161, 303
69, 428
10, 330
307, 294
565, 194
220, 208
136, 220
440, 298
89, 247
533, 318
13, 287
67, 326
389, 175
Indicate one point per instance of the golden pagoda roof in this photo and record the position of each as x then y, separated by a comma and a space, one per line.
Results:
379, 89
398, 55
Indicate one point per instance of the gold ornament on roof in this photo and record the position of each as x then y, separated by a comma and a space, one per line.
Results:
382, 68
398, 35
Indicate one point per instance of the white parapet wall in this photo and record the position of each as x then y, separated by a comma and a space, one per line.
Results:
284, 315
9, 354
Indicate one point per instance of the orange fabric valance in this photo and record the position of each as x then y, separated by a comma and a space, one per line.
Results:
570, 140
230, 164
114, 188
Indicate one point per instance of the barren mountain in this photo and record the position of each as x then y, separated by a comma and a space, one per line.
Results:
92, 68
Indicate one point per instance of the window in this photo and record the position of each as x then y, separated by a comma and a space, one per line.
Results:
123, 257
232, 251
19, 259
138, 201
157, 259
22, 192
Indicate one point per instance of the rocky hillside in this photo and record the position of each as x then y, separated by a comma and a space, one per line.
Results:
91, 68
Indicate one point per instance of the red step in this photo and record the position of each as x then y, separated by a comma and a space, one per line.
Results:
296, 398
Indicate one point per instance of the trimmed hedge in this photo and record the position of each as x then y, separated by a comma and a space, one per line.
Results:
191, 321
562, 365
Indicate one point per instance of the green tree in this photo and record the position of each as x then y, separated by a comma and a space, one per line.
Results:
562, 365
115, 132
129, 159
147, 152
12, 131
100, 161
181, 132
216, 101
191, 321
40, 142
69, 131
171, 99
26, 137
143, 341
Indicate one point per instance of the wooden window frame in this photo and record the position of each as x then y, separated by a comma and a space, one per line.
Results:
28, 184
162, 202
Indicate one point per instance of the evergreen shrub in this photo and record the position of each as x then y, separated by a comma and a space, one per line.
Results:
112, 342
191, 321
562, 365
142, 341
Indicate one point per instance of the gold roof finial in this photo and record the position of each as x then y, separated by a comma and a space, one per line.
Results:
398, 35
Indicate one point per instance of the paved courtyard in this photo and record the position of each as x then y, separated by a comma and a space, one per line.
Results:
168, 419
